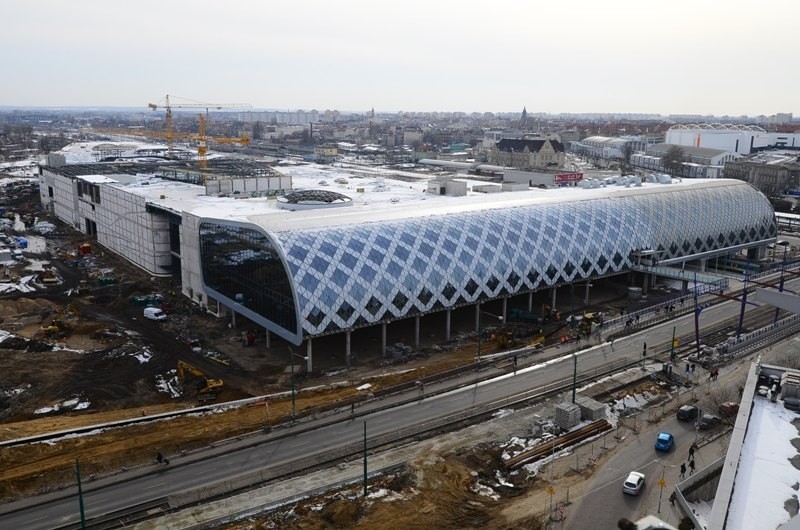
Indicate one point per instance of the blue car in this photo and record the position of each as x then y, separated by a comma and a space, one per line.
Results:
664, 441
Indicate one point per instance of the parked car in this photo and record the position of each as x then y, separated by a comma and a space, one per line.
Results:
791, 403
634, 483
154, 313
688, 413
729, 408
707, 421
665, 441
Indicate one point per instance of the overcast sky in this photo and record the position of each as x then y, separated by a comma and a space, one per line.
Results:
682, 56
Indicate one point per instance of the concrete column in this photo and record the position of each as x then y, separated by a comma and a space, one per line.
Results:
447, 326
416, 332
383, 338
530, 301
309, 364
645, 282
703, 263
478, 317
266, 339
586, 296
505, 309
684, 286
347, 347
553, 298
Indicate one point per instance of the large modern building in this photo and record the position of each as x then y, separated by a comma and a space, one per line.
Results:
367, 251
738, 139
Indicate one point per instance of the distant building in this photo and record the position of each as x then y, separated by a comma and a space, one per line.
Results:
771, 173
739, 139
527, 154
326, 151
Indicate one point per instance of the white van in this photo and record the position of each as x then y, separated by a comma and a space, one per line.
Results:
154, 313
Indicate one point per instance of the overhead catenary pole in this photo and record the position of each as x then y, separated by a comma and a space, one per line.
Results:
696, 317
80, 494
672, 350
365, 458
574, 375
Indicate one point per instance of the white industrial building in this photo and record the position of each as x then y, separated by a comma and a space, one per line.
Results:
739, 139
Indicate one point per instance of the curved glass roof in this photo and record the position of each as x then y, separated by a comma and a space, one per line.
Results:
360, 274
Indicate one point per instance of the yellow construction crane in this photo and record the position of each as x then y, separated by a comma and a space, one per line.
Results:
168, 106
202, 141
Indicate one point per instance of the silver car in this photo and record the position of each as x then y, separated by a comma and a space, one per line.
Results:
634, 483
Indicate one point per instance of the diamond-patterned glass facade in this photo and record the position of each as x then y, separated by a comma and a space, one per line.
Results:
361, 274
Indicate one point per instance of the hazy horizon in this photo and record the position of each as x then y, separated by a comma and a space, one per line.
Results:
617, 57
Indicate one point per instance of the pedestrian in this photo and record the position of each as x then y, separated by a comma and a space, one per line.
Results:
683, 470
672, 499
637, 318
244, 338
691, 451
691, 467
159, 458
692, 369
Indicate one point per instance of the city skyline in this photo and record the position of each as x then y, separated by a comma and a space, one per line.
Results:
619, 57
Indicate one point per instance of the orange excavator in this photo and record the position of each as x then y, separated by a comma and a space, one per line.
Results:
207, 388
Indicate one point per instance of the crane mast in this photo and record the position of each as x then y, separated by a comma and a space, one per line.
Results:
168, 106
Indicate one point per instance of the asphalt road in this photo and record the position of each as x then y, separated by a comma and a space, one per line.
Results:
180, 478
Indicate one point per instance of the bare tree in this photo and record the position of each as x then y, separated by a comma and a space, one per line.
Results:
673, 159
625, 167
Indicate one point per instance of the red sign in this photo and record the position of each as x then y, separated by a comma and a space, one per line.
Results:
568, 177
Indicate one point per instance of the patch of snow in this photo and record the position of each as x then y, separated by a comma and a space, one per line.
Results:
701, 510
485, 491
383, 492
168, 384
54, 441
143, 356
502, 481
502, 413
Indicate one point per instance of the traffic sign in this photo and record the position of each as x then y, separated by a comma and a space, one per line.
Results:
662, 483
551, 490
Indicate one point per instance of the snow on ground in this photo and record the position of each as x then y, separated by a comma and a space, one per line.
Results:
54, 441
15, 391
24, 285
766, 477
702, 511
143, 356
168, 384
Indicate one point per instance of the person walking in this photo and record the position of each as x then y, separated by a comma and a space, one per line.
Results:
691, 467
683, 470
672, 499
691, 452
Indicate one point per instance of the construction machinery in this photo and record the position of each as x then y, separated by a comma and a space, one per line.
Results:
59, 324
168, 106
202, 142
207, 388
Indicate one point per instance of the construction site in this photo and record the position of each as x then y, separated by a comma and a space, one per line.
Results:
90, 339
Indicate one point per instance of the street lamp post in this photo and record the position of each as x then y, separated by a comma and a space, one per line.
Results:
478, 352
785, 245
291, 363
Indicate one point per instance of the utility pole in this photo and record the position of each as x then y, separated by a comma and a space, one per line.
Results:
672, 351
574, 375
365, 458
744, 298
696, 317
644, 353
80, 494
